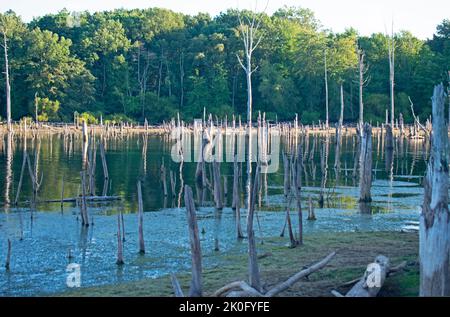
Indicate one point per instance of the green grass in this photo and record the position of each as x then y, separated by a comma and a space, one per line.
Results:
354, 252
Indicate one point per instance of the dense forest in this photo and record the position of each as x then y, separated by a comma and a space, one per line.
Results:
153, 63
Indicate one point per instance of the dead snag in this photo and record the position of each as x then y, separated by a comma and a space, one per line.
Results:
254, 276
164, 178
365, 162
298, 169
217, 186
83, 204
140, 219
104, 164
237, 199
311, 214
389, 138
434, 244
196, 252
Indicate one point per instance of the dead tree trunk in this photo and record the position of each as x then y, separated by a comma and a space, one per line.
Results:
217, 186
8, 86
365, 162
254, 276
434, 245
391, 46
8, 256
83, 205
311, 214
140, 219
237, 199
196, 252
326, 93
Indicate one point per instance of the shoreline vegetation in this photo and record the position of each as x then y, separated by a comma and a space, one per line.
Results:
354, 250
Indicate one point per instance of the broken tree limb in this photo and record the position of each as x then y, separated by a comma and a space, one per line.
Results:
196, 252
176, 286
295, 278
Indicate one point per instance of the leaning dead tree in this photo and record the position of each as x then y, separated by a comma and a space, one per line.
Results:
196, 252
434, 244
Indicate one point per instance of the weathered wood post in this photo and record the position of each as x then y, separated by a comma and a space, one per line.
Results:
140, 219
365, 162
196, 252
434, 243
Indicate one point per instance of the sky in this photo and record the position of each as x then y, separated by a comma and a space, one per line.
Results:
367, 16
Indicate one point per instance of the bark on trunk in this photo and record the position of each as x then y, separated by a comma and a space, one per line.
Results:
434, 245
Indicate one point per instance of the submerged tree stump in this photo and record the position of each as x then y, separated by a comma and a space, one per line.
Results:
434, 245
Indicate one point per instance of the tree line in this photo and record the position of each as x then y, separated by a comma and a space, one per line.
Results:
131, 65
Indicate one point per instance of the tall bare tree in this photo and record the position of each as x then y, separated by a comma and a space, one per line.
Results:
251, 38
363, 80
327, 118
4, 31
391, 48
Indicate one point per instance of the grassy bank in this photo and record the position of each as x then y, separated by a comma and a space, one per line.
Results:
278, 262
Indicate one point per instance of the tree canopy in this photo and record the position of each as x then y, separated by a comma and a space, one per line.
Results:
152, 63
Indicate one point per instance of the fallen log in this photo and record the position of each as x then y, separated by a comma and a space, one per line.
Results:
88, 198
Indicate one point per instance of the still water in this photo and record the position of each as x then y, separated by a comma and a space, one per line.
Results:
42, 236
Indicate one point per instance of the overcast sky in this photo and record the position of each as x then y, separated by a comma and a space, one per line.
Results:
367, 16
